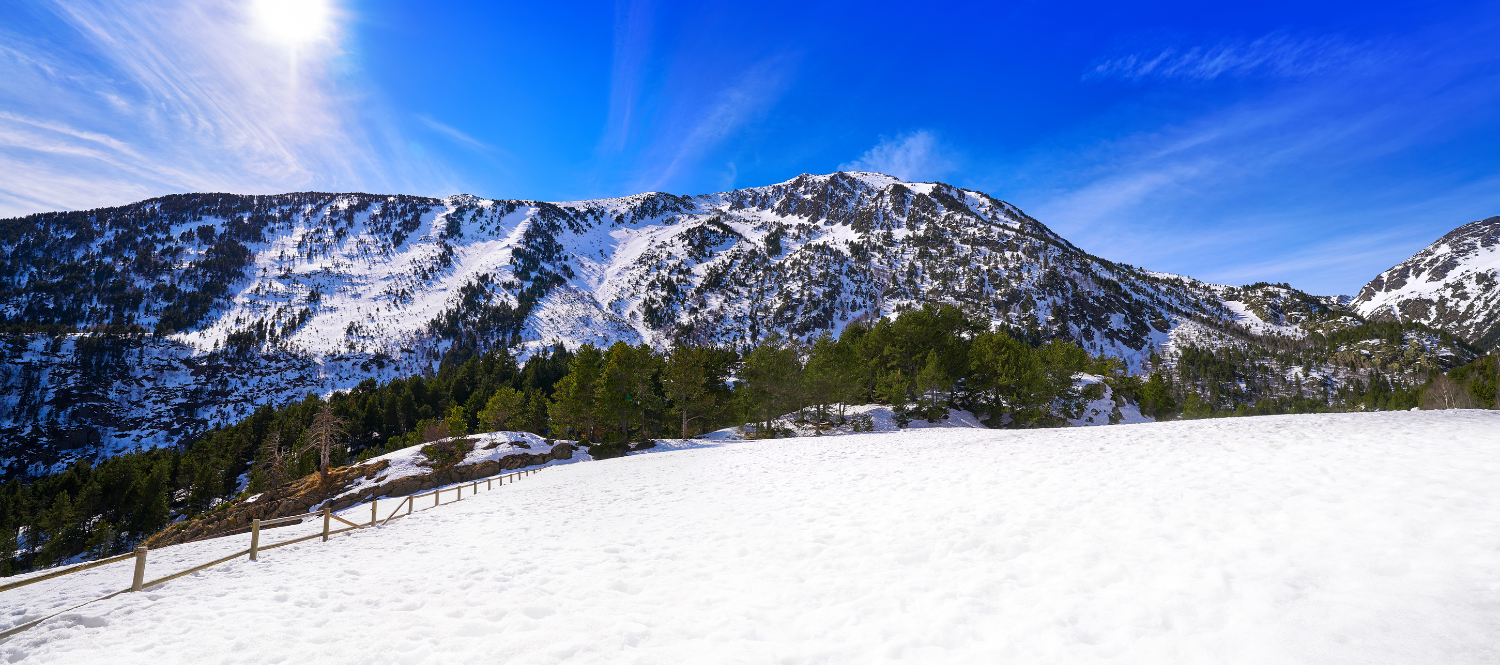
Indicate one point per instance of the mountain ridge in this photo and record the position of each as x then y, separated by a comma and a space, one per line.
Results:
177, 314
1463, 260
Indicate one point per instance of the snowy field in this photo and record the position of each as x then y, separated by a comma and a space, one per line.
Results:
1355, 538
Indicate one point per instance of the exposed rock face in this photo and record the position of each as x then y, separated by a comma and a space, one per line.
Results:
1453, 284
312, 492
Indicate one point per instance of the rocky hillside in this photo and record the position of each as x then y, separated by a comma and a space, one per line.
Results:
1453, 284
145, 325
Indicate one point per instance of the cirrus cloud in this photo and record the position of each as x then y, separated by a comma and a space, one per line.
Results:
1276, 54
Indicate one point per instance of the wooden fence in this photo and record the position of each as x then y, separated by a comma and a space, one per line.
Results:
139, 580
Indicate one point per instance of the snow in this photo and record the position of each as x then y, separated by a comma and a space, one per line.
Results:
1099, 411
1253, 323
408, 461
873, 417
1348, 538
1450, 284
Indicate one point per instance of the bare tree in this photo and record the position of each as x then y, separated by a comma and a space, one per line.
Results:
324, 433
1445, 393
274, 459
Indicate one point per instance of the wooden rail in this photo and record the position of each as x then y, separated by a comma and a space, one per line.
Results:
66, 571
138, 582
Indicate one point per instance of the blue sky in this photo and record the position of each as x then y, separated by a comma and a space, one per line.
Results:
1314, 144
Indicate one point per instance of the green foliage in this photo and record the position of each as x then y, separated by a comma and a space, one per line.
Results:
1480, 380
1156, 397
1004, 374
456, 422
770, 382
694, 384
1472, 386
506, 403
575, 410
1022, 386
830, 377
446, 453
628, 389
101, 508
1194, 407
609, 450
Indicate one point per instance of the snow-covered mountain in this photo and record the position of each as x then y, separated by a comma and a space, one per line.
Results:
1452, 284
146, 324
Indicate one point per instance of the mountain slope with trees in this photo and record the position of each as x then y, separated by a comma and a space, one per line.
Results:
153, 324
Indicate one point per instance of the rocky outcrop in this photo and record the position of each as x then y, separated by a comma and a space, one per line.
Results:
313, 492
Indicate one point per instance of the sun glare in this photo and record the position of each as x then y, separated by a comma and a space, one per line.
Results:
294, 22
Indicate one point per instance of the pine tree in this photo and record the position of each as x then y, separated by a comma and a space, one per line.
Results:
626, 385
502, 406
456, 422
1003, 372
933, 379
694, 380
59, 525
101, 540
1156, 398
771, 382
575, 406
823, 378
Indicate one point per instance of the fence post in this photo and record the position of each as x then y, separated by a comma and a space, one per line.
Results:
140, 568
372, 510
435, 494
460, 489
254, 537
326, 513
410, 502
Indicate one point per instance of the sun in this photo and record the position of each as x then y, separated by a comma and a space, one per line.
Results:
294, 22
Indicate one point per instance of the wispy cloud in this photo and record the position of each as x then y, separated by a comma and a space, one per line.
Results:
632, 41
731, 108
1275, 186
1276, 54
912, 156
457, 136
184, 95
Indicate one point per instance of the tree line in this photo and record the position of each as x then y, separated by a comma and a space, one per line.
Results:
1229, 382
921, 362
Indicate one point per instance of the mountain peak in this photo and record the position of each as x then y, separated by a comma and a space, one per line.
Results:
1452, 284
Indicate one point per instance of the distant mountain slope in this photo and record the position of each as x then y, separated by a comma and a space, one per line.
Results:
1452, 285
145, 325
